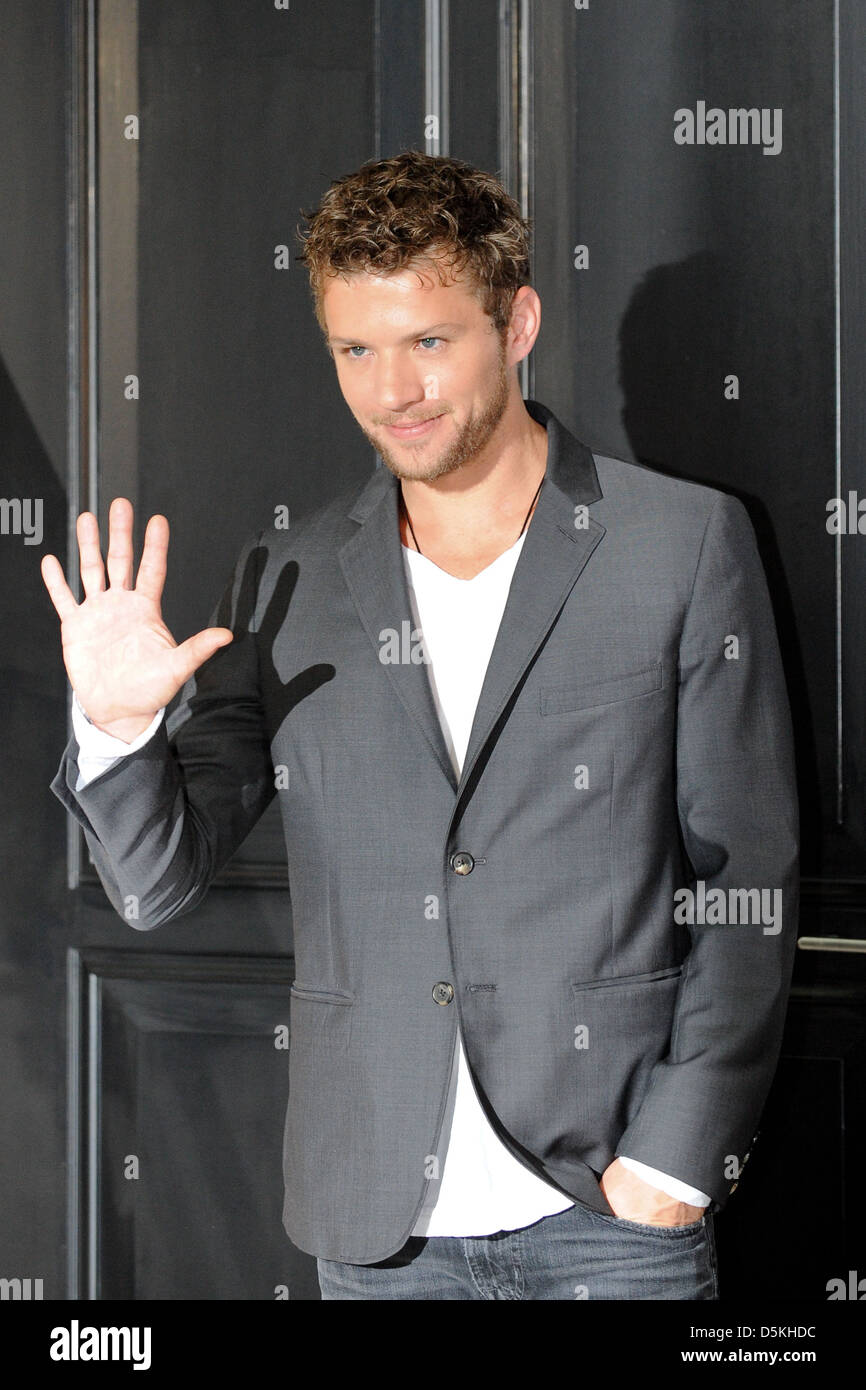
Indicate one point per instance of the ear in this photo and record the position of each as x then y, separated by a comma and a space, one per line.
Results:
524, 324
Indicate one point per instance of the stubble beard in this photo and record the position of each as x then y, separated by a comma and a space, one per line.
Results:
470, 440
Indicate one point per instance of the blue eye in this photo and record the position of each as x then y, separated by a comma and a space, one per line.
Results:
358, 348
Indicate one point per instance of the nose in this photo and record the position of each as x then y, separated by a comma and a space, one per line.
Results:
400, 386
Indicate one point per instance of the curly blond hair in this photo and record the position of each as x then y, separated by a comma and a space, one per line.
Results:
417, 207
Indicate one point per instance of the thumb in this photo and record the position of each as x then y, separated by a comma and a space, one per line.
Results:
196, 650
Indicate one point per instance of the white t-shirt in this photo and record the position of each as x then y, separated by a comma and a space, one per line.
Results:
481, 1187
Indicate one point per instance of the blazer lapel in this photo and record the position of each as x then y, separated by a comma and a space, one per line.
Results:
552, 557
554, 553
373, 566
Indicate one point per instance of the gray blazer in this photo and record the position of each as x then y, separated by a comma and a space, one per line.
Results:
605, 903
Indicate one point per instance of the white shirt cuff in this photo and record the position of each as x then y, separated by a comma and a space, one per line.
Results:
97, 750
672, 1186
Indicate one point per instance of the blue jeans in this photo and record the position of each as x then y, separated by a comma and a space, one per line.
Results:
575, 1254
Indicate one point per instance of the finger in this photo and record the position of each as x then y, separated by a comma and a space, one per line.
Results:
92, 573
55, 582
196, 650
119, 559
154, 557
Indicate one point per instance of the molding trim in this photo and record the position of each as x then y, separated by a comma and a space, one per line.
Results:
436, 76
88, 972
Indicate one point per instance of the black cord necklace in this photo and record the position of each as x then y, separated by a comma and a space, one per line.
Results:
412, 529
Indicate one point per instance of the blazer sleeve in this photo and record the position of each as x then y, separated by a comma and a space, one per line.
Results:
738, 812
162, 821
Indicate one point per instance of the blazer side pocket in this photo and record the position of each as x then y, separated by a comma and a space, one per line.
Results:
559, 699
621, 1028
646, 978
323, 996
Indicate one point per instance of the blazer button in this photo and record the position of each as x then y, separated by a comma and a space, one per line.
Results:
443, 993
462, 863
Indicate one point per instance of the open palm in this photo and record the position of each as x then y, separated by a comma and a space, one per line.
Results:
122, 661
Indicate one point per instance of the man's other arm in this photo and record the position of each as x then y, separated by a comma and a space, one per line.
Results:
737, 803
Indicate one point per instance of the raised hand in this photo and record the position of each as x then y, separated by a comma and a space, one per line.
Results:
122, 661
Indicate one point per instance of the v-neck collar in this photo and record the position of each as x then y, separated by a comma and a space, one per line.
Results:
415, 557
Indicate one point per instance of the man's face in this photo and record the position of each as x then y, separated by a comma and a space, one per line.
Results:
415, 353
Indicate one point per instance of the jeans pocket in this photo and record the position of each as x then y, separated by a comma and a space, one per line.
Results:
655, 1229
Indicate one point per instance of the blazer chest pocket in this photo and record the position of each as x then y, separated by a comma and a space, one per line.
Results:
607, 690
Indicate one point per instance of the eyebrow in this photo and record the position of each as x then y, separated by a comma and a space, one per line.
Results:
410, 337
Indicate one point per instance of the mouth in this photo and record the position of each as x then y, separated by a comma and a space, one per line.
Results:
413, 430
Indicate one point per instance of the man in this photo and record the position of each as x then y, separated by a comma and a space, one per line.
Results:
529, 725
